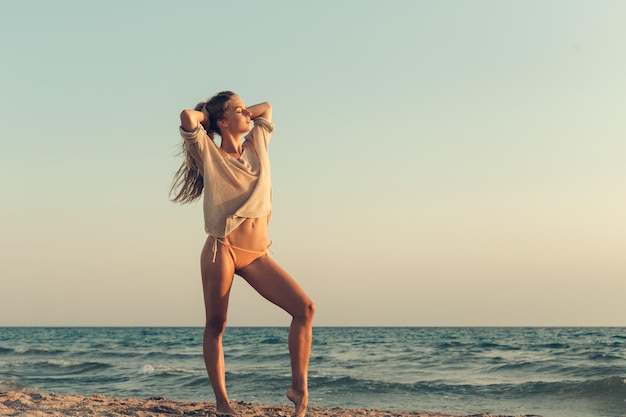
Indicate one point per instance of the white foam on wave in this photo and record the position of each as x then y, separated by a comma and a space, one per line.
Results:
183, 370
150, 369
62, 363
147, 369
12, 386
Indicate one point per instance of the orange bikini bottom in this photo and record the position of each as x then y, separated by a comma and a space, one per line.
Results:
241, 257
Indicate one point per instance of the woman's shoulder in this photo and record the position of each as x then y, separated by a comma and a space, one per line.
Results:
200, 139
261, 133
199, 134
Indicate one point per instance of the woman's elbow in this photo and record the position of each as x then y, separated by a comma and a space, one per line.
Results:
187, 121
185, 115
267, 111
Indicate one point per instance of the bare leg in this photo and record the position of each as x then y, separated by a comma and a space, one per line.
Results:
217, 280
277, 286
300, 336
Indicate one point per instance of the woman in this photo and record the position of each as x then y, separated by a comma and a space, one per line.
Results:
235, 180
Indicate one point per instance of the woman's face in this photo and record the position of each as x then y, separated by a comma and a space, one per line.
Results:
236, 116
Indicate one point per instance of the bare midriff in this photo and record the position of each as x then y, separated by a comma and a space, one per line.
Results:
250, 235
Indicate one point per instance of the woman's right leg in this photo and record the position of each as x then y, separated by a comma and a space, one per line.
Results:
217, 280
277, 286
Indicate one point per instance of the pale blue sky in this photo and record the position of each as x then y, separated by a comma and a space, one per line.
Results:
434, 163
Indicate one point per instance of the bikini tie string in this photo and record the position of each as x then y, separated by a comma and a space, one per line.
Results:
214, 249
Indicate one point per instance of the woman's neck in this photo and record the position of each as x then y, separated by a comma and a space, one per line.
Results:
231, 144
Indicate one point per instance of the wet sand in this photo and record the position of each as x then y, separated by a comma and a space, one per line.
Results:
30, 404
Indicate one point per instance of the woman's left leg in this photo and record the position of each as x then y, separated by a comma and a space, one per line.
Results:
277, 286
217, 279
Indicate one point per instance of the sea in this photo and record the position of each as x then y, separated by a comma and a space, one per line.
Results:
552, 372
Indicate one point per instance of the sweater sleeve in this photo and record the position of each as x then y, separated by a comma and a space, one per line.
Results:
261, 132
198, 136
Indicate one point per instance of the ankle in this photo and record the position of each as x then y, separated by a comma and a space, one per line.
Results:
224, 408
298, 394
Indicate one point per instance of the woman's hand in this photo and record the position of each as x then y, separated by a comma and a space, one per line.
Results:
205, 113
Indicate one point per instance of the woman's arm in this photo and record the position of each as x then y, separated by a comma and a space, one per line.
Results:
189, 119
263, 110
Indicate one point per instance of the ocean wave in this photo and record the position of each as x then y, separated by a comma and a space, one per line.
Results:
611, 388
14, 386
26, 351
507, 367
260, 379
577, 370
111, 353
496, 346
67, 367
256, 357
196, 381
555, 345
172, 356
603, 356
273, 341
149, 369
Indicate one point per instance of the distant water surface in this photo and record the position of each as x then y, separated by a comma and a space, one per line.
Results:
555, 372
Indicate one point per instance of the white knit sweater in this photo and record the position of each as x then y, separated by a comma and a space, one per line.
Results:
234, 188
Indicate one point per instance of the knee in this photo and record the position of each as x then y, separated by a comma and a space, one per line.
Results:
215, 326
306, 312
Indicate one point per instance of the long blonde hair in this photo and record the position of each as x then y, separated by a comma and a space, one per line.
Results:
188, 181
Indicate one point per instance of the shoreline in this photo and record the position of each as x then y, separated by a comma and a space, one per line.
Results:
32, 404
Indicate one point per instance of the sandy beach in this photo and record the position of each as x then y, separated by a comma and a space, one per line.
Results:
54, 405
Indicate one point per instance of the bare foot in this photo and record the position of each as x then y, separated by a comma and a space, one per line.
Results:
224, 409
300, 400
